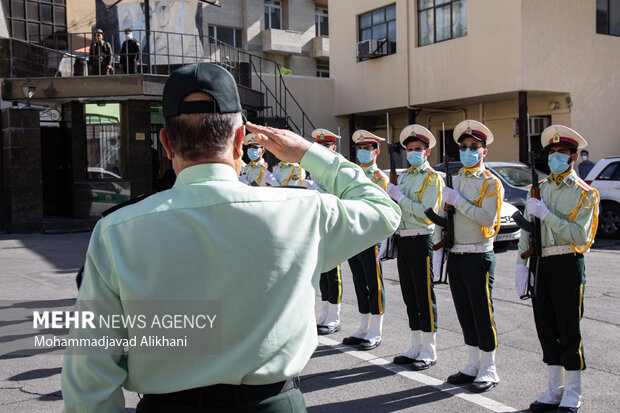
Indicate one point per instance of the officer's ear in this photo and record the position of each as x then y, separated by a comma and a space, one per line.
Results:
165, 142
238, 140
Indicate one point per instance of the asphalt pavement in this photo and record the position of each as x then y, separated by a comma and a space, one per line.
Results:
38, 268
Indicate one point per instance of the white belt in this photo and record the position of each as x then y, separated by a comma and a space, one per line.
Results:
471, 248
557, 250
413, 232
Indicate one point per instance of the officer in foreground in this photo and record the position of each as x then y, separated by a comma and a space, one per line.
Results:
477, 198
365, 266
331, 281
568, 211
191, 243
256, 172
418, 189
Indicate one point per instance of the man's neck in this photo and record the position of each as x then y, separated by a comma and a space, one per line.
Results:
183, 164
367, 165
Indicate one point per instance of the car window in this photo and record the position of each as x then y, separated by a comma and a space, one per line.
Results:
610, 173
517, 175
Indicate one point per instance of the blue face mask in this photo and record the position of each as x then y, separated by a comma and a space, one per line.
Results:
469, 158
364, 156
253, 154
415, 158
558, 162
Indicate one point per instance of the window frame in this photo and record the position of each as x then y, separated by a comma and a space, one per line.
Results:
442, 5
322, 69
237, 35
320, 13
361, 27
272, 4
606, 15
57, 25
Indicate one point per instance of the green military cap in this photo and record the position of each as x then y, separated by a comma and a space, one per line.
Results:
201, 77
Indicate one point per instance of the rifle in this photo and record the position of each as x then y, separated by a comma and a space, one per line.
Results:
447, 223
533, 227
393, 174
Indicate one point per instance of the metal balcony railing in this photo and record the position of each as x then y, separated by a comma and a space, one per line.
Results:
68, 55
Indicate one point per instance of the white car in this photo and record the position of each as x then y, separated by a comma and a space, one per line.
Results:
605, 177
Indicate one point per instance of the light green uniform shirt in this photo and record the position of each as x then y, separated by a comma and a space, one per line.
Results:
561, 226
475, 209
376, 176
289, 174
422, 189
256, 172
259, 251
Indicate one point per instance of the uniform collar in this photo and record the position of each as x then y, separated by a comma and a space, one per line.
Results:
419, 169
567, 178
370, 168
206, 172
476, 172
259, 162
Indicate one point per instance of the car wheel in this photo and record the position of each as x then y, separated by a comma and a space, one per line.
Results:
609, 221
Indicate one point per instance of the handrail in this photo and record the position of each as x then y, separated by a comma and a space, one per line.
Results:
67, 54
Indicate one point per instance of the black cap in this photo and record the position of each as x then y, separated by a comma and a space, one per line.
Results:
128, 30
98, 31
201, 77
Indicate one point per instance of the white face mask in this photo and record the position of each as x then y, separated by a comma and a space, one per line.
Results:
584, 158
129, 35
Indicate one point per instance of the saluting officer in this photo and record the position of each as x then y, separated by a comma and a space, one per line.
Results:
257, 170
289, 174
418, 189
331, 281
477, 198
365, 266
568, 211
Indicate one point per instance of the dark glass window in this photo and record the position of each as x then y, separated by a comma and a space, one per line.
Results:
440, 20
322, 69
272, 15
227, 35
608, 17
321, 26
379, 25
34, 19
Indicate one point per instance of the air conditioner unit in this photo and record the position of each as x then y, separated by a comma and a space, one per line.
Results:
537, 125
372, 48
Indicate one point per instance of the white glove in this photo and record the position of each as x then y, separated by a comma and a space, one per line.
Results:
382, 249
310, 184
450, 195
537, 208
437, 257
394, 192
522, 275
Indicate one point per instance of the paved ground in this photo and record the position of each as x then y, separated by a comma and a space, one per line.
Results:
37, 267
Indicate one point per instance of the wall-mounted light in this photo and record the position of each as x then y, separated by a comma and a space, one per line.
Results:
553, 105
28, 91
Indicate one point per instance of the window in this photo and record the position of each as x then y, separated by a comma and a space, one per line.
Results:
378, 25
228, 35
440, 20
608, 17
610, 173
38, 21
322, 69
320, 22
272, 15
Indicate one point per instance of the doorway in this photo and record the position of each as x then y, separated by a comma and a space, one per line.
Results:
56, 170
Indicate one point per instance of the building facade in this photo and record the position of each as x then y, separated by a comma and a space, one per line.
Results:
437, 62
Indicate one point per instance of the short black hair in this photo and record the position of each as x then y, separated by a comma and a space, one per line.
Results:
413, 139
374, 144
584, 151
201, 135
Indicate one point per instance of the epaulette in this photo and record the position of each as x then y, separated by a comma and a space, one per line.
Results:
487, 174
580, 182
431, 170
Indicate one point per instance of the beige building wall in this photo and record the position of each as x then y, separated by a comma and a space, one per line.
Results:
548, 48
80, 16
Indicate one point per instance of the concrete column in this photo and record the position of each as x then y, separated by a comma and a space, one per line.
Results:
74, 114
136, 144
22, 183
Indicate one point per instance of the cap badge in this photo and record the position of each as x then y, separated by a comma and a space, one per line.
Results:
468, 131
322, 136
556, 138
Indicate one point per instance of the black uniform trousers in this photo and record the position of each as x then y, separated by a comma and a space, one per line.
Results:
330, 284
558, 308
415, 272
471, 283
368, 281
